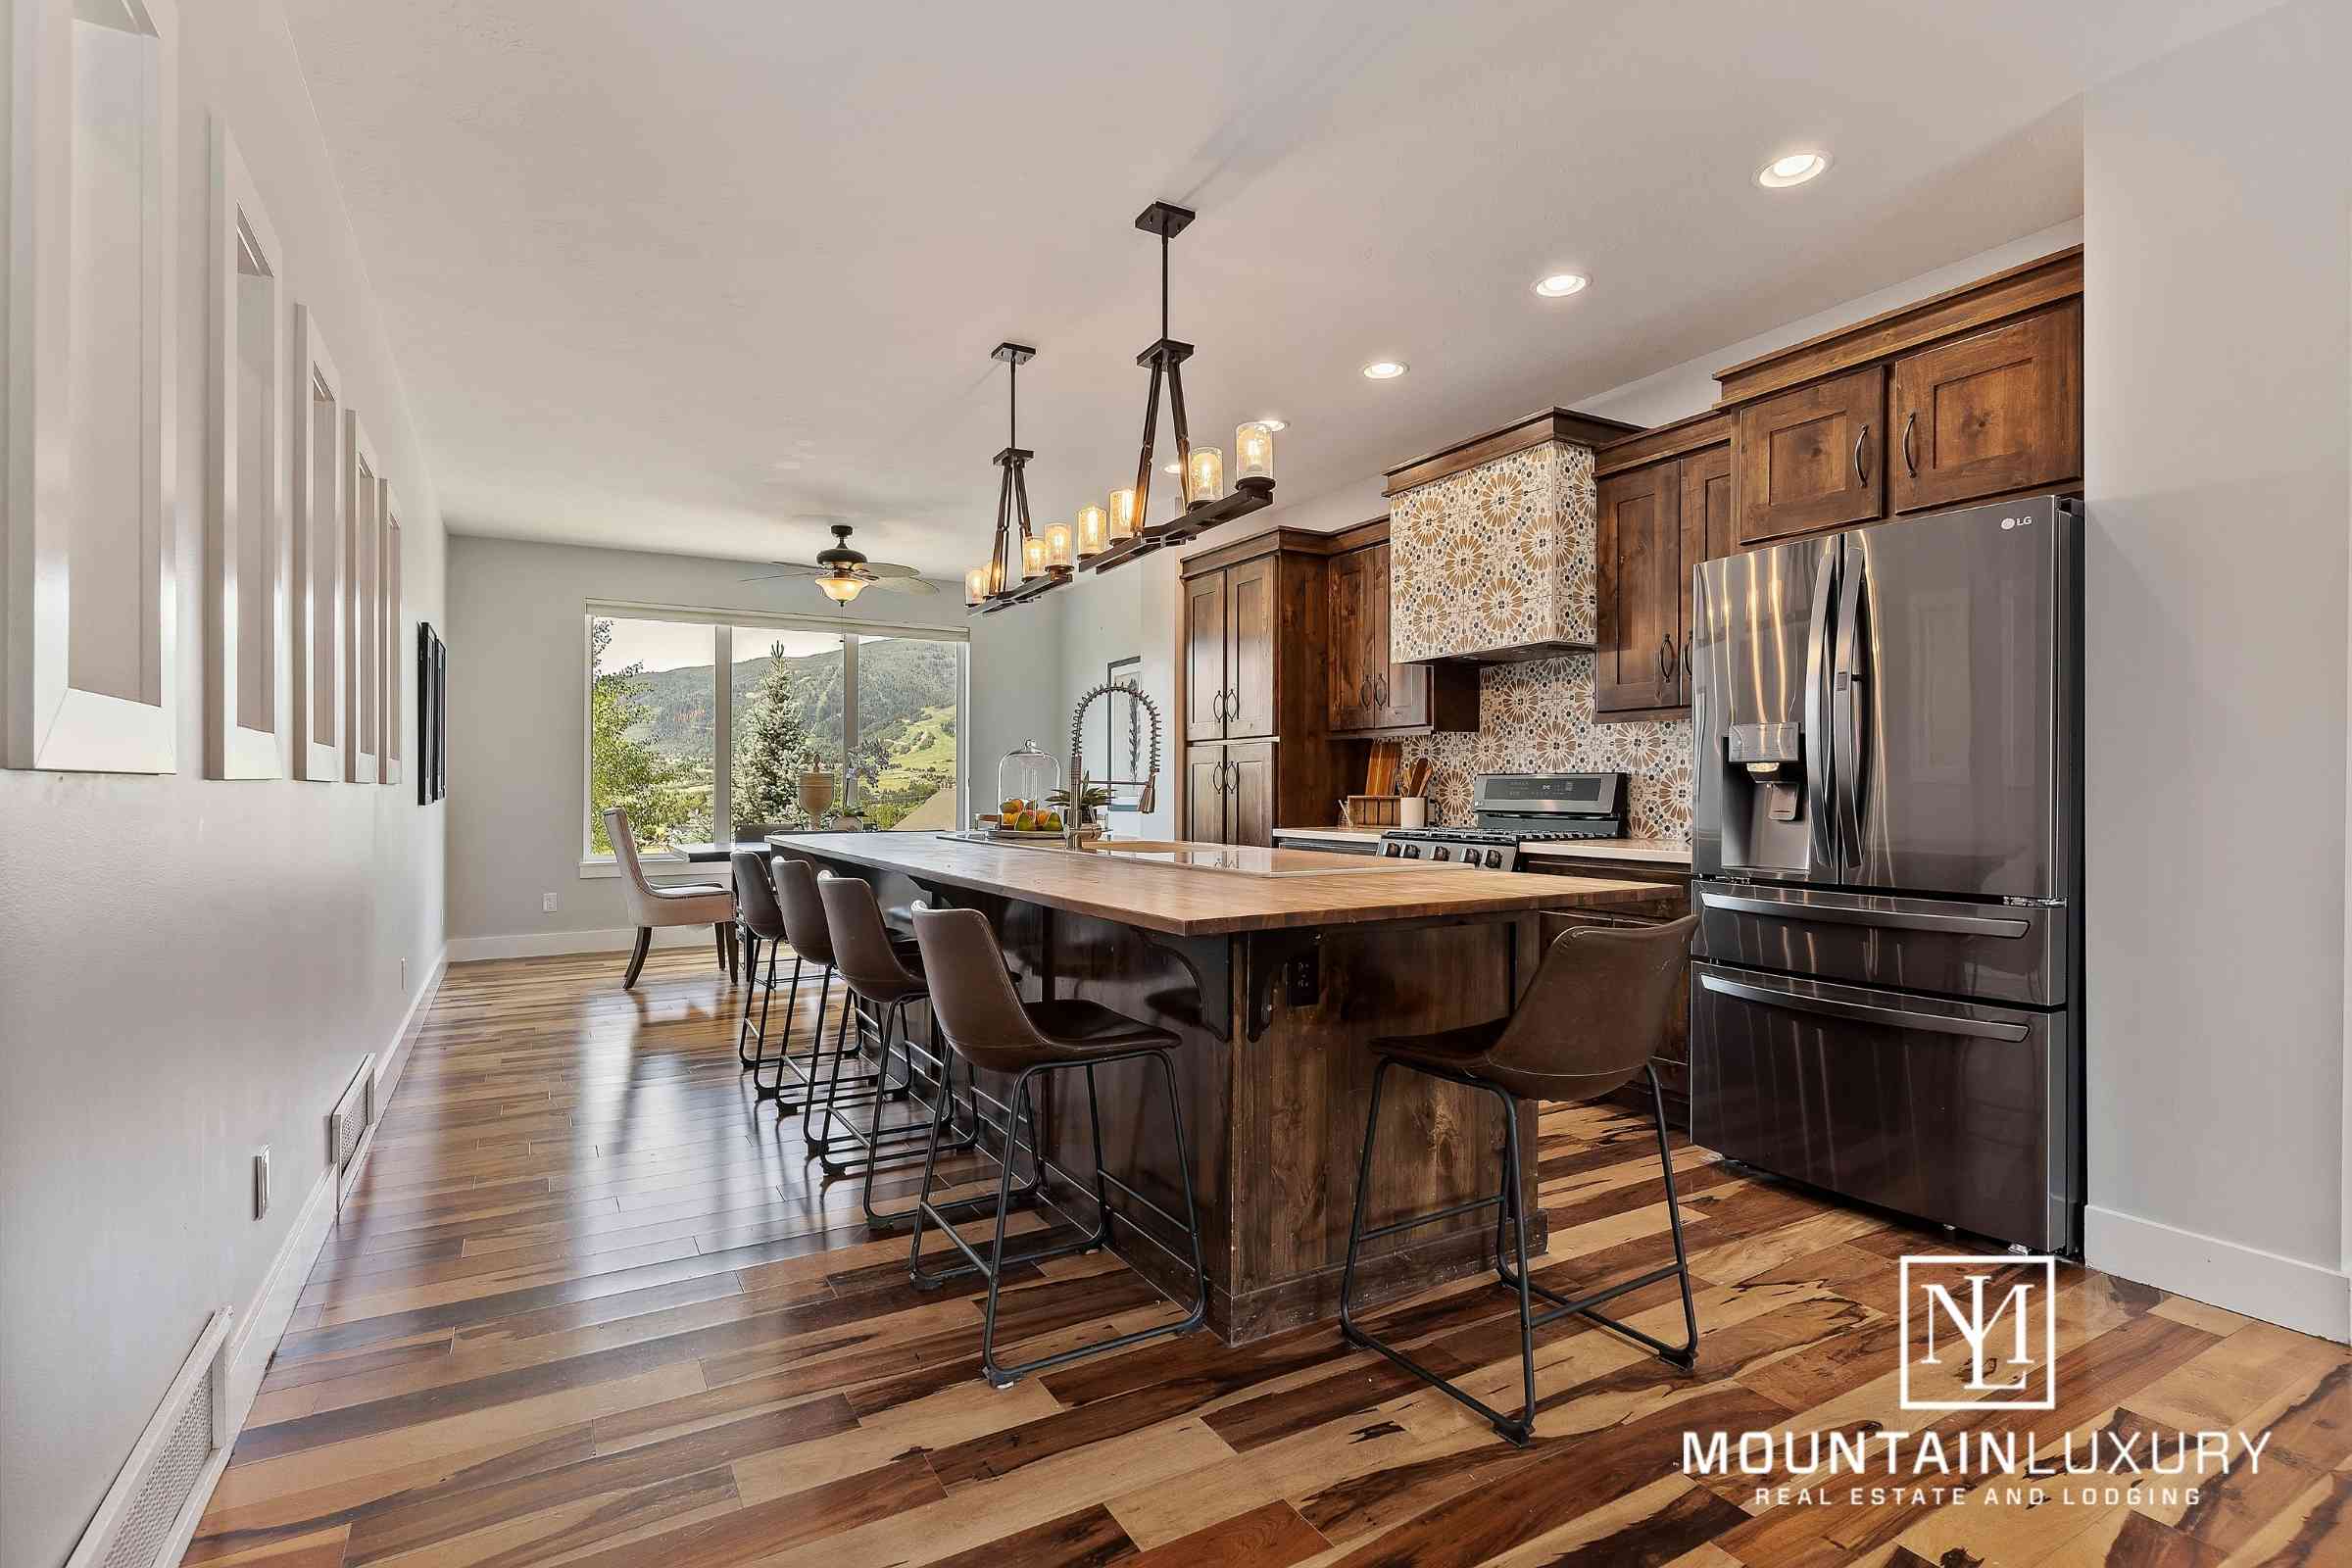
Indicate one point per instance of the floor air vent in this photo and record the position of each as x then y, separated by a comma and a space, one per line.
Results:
151, 1510
347, 1126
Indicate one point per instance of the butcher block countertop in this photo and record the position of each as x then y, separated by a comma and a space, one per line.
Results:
1194, 890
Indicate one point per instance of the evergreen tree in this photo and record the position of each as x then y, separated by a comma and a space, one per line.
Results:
776, 751
623, 771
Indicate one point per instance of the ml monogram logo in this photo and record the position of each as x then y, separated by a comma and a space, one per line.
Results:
1992, 1320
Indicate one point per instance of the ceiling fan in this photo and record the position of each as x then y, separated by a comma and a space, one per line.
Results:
841, 573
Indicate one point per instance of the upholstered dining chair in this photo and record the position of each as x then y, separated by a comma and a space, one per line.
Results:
711, 903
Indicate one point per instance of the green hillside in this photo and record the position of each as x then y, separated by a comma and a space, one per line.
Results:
907, 695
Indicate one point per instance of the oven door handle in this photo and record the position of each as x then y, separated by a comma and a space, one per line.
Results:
1966, 925
1862, 1013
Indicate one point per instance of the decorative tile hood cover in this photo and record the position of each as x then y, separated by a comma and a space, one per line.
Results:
1491, 552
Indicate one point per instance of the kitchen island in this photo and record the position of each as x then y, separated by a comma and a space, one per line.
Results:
1275, 968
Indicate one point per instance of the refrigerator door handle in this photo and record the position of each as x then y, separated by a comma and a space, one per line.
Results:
1862, 1013
1969, 926
1849, 694
1820, 757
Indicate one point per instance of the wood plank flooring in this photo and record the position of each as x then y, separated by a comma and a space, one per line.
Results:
592, 1303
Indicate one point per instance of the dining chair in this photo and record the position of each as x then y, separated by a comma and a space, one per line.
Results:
711, 903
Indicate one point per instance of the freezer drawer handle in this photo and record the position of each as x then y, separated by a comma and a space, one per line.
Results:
1971, 925
1932, 1022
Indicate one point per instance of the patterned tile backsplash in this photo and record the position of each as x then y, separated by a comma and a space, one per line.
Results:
1537, 718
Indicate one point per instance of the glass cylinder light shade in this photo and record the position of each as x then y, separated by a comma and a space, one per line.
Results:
975, 585
1253, 452
1122, 515
1206, 479
1093, 534
1058, 546
1033, 556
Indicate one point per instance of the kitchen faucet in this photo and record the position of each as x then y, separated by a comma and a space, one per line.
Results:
1076, 816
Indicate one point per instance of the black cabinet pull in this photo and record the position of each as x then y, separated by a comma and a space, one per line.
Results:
1686, 663
1861, 474
1380, 691
1910, 459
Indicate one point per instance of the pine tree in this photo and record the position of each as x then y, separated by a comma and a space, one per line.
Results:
769, 768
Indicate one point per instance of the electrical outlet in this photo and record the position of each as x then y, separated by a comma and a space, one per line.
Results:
547, 904
260, 1182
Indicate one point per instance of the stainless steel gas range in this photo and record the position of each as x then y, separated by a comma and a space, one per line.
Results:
1516, 809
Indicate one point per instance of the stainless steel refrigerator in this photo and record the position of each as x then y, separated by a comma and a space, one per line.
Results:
1887, 865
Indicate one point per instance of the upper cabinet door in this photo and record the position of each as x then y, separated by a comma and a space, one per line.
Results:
1348, 671
1812, 457
1998, 412
1638, 646
1250, 618
1204, 656
1402, 692
1706, 526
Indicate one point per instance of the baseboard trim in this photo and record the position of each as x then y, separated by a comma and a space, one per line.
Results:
2305, 1297
265, 1318
551, 944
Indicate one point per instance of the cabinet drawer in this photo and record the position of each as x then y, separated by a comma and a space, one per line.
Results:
1812, 457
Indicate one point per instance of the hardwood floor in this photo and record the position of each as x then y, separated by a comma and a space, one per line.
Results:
592, 1304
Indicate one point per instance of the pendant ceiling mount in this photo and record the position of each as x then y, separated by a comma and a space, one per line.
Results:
1018, 569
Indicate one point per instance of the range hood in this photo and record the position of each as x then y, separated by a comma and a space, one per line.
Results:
1490, 543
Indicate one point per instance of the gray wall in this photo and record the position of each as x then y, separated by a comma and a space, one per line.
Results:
2215, 193
190, 970
516, 720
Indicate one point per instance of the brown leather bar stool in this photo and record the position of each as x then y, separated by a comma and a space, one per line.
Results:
1589, 1024
991, 1027
885, 977
761, 920
807, 933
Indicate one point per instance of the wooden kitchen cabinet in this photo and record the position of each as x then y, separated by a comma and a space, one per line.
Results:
1998, 411
1257, 636
1204, 640
1811, 458
1368, 694
1654, 523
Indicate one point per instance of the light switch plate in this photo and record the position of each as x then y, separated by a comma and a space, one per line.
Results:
547, 904
260, 1182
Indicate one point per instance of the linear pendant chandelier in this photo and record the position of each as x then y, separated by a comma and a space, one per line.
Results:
1019, 568
1199, 470
1102, 538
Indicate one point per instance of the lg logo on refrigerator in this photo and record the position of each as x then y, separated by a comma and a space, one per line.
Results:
2026, 522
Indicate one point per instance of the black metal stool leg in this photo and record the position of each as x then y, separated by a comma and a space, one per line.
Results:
1094, 1121
1355, 1222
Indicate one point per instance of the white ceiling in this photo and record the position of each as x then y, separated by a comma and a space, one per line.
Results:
701, 277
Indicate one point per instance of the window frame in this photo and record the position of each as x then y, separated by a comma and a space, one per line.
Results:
665, 863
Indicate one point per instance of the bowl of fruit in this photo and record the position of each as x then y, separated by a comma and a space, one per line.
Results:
1016, 819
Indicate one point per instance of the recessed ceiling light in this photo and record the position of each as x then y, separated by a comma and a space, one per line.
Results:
1560, 284
1275, 425
1793, 170
1386, 369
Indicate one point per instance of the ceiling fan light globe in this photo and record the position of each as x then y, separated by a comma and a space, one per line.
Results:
841, 589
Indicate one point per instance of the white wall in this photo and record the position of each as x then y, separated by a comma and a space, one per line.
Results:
2219, 358
516, 717
191, 969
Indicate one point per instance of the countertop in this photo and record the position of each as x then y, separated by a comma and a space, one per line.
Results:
1306, 887
1660, 852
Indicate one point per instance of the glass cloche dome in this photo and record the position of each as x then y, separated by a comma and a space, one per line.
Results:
1029, 774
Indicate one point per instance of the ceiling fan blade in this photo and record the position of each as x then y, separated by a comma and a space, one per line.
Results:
902, 585
775, 575
884, 569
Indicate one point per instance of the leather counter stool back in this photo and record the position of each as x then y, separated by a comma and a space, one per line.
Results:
885, 977
988, 1025
761, 918
1595, 1013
